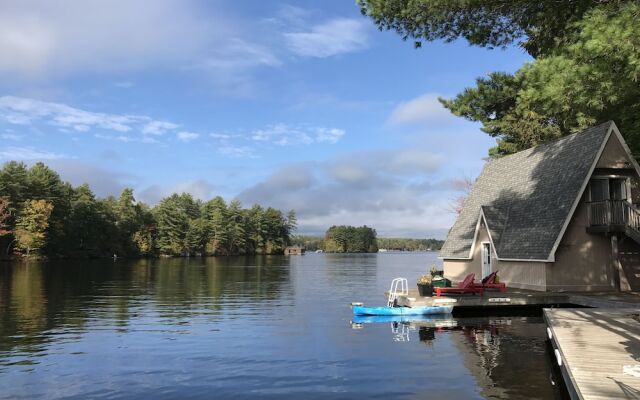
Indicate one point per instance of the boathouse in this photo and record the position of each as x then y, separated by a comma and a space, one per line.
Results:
294, 250
559, 216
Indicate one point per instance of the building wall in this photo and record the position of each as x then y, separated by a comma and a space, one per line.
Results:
613, 155
516, 274
522, 274
456, 270
583, 261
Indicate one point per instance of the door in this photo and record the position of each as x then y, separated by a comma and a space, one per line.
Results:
486, 259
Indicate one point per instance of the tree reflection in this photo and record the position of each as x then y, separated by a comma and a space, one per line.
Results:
40, 301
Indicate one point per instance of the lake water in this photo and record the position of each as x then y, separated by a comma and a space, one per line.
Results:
250, 327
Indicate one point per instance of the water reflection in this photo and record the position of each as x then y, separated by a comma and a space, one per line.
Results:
503, 353
38, 300
243, 327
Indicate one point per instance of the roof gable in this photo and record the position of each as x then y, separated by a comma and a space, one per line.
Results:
528, 197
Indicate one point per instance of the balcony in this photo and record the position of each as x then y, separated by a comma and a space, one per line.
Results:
613, 216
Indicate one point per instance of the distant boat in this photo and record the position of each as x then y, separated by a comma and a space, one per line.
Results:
382, 250
319, 251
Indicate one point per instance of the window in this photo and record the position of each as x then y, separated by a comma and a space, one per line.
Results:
608, 189
599, 189
618, 189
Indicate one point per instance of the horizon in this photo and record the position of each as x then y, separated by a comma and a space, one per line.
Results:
306, 107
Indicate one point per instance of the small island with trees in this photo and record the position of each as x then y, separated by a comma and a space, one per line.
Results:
350, 239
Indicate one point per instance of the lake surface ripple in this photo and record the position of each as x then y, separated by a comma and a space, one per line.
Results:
250, 327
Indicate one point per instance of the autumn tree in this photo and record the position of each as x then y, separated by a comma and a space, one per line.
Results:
5, 217
32, 225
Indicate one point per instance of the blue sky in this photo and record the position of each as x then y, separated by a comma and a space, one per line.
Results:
302, 105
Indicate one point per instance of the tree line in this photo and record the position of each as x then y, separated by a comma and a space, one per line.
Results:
405, 244
313, 243
585, 67
42, 216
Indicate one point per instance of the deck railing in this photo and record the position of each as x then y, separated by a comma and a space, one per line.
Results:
613, 213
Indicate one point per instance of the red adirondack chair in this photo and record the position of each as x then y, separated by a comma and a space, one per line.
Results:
466, 286
489, 282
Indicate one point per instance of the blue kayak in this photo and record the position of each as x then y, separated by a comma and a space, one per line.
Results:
435, 319
362, 310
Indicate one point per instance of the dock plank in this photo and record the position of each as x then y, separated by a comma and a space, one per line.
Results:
595, 345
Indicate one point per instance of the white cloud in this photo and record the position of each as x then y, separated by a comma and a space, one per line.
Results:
281, 134
336, 36
284, 134
187, 136
25, 111
395, 191
329, 135
200, 189
103, 182
158, 127
69, 36
220, 136
237, 151
27, 153
425, 108
55, 39
237, 53
10, 136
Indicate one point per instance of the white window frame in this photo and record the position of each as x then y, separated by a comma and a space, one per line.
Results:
482, 258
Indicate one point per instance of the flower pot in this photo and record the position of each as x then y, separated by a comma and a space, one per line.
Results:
425, 290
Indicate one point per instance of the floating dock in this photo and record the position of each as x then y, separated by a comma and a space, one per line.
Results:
598, 351
524, 298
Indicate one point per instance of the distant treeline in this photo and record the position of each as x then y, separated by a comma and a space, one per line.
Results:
410, 244
40, 215
313, 243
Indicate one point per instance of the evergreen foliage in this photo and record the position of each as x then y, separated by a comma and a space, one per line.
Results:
313, 243
586, 66
404, 244
40, 215
350, 239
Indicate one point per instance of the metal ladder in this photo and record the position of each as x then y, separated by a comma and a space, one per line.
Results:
399, 287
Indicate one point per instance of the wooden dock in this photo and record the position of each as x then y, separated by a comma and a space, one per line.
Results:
599, 351
526, 298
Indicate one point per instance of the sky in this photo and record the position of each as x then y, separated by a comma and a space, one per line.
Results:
300, 105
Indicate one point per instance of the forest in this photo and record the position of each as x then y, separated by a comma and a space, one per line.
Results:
42, 216
405, 244
350, 239
313, 243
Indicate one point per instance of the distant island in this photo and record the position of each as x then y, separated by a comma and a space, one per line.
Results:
350, 239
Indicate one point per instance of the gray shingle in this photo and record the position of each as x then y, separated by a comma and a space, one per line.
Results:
526, 197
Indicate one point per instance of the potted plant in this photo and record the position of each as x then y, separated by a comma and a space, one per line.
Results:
425, 286
435, 271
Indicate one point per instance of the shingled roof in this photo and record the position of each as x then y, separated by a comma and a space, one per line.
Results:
526, 197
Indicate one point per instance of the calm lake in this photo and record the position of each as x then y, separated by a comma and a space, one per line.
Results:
244, 327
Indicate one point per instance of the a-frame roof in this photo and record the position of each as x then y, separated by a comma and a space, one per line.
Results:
527, 198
